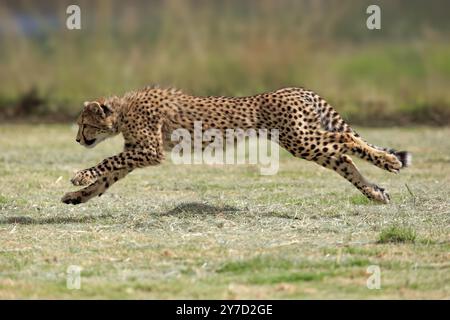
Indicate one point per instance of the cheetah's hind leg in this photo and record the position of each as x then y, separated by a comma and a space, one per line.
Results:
385, 158
404, 157
350, 143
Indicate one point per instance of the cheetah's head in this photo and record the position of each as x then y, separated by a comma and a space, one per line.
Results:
95, 123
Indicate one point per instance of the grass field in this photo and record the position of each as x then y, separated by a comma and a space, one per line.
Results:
222, 232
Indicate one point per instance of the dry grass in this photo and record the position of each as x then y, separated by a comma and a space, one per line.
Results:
220, 232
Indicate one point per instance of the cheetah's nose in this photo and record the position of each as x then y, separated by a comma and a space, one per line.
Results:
77, 140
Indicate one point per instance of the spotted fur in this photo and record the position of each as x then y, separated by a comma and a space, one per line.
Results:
309, 128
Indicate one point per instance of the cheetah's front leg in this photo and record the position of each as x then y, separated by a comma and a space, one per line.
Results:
95, 189
89, 176
85, 177
110, 171
345, 167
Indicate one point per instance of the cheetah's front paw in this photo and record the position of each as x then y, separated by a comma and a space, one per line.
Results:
83, 178
72, 198
379, 194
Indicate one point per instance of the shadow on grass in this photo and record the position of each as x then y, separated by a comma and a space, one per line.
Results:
200, 208
52, 220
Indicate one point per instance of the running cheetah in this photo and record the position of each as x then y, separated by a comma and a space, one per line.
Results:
308, 126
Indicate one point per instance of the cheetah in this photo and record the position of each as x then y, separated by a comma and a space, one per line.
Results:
309, 128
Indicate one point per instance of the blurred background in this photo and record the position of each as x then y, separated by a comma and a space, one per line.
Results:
398, 75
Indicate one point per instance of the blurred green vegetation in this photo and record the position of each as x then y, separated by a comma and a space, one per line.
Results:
397, 75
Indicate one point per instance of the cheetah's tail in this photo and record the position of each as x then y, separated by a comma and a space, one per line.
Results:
404, 157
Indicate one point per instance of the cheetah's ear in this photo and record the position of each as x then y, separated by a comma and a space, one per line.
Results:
101, 109
107, 110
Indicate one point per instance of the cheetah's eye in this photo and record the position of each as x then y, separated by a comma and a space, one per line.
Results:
91, 126
106, 109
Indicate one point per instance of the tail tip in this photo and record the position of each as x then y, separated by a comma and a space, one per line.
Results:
405, 158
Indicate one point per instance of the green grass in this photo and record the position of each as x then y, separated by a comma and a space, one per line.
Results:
397, 234
221, 232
